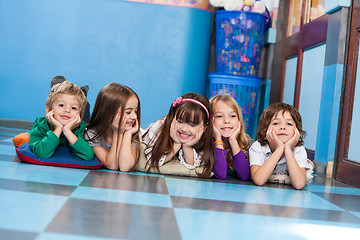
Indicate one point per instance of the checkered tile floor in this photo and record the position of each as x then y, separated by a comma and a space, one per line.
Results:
40, 202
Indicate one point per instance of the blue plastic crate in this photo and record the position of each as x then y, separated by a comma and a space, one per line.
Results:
243, 89
239, 39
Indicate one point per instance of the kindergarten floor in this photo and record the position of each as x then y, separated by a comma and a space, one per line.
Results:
40, 202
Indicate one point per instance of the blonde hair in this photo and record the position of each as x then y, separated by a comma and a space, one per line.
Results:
243, 139
68, 88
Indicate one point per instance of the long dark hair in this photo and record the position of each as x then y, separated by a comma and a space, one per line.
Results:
110, 99
187, 112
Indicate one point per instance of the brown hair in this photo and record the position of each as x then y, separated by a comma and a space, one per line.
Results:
188, 112
69, 88
271, 111
242, 139
110, 99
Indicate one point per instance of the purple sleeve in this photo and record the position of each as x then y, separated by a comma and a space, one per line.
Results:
242, 166
220, 166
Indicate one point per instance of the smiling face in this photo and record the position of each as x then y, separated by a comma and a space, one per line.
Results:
187, 131
284, 126
65, 107
130, 113
225, 119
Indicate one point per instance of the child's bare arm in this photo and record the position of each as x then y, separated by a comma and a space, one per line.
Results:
297, 174
128, 153
188, 149
109, 158
261, 174
189, 155
176, 142
176, 148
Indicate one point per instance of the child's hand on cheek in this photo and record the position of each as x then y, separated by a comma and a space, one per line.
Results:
274, 141
294, 139
123, 124
196, 138
73, 123
173, 132
115, 122
217, 134
134, 128
52, 121
235, 134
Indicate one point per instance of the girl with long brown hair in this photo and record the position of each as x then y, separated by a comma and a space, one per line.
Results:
113, 131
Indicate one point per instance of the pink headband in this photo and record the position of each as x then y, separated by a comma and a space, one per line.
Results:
180, 100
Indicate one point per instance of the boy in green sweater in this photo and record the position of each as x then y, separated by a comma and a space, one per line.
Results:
62, 125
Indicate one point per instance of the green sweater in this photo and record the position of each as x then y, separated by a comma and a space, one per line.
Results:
43, 141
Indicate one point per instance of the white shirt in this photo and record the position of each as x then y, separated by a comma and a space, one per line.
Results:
259, 154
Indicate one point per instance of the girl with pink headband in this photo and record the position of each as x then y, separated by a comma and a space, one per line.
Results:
185, 133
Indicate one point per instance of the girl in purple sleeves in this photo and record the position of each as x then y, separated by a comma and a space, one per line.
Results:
231, 141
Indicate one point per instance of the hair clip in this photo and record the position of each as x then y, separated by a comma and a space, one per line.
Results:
177, 101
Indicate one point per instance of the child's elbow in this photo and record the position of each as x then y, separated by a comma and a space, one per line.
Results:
43, 155
244, 176
113, 168
86, 157
221, 176
259, 182
89, 157
126, 167
299, 186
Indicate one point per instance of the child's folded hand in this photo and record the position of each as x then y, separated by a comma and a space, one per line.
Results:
235, 134
294, 139
73, 123
52, 121
173, 132
196, 138
273, 139
134, 128
217, 134
115, 123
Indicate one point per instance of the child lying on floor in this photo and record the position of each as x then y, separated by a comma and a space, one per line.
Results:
62, 125
278, 155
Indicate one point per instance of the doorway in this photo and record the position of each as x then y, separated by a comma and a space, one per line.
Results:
348, 157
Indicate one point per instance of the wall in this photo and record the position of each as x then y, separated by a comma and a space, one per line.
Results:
159, 51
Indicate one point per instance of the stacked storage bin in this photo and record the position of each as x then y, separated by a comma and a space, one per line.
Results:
239, 36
